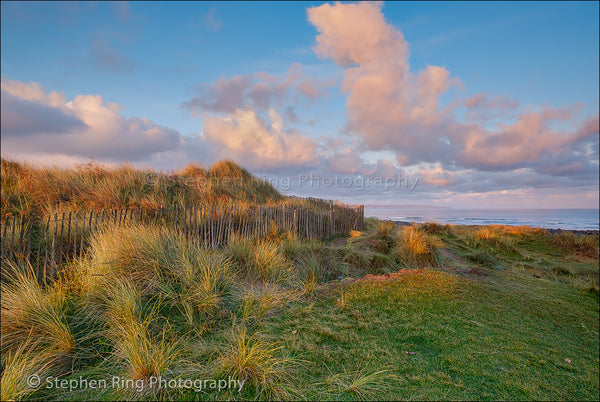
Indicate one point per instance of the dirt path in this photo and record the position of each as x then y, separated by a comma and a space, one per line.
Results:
460, 264
447, 253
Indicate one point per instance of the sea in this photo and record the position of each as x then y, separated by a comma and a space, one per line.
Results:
573, 219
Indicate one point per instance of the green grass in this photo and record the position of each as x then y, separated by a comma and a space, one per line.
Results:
505, 337
141, 356
253, 361
563, 257
423, 312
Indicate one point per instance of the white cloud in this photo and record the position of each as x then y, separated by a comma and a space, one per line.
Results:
390, 108
257, 143
34, 122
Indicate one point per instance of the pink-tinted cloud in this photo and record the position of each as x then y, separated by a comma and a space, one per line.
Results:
222, 96
313, 88
391, 108
259, 91
355, 34
87, 126
27, 109
22, 117
482, 101
588, 130
347, 161
525, 142
481, 107
388, 106
257, 143
438, 176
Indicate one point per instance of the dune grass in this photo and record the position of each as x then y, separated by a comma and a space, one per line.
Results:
415, 248
562, 257
34, 316
18, 364
586, 246
253, 361
145, 254
263, 259
205, 280
416, 312
138, 354
26, 188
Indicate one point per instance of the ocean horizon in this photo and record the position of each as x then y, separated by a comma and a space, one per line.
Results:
573, 219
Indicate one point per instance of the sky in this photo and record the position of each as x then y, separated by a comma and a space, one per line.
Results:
453, 104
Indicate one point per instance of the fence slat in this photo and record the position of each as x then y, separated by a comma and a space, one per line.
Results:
75, 236
45, 234
12, 238
69, 231
4, 236
208, 226
21, 234
83, 218
53, 247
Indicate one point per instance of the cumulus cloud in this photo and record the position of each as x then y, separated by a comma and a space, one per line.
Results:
438, 176
23, 117
481, 107
391, 108
527, 142
388, 105
258, 143
87, 126
222, 96
348, 161
246, 117
355, 34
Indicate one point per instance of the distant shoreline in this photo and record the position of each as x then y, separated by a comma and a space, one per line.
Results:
550, 230
433, 207
394, 206
566, 219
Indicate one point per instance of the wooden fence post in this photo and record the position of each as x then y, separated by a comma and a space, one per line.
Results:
209, 226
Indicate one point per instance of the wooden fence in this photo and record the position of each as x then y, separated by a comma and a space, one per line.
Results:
48, 242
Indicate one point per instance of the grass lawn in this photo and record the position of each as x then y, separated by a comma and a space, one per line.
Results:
496, 336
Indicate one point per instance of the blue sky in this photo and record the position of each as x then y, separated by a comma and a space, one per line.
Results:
493, 103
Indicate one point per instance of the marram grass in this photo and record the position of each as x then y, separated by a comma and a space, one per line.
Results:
297, 319
27, 188
414, 248
249, 359
31, 315
18, 365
